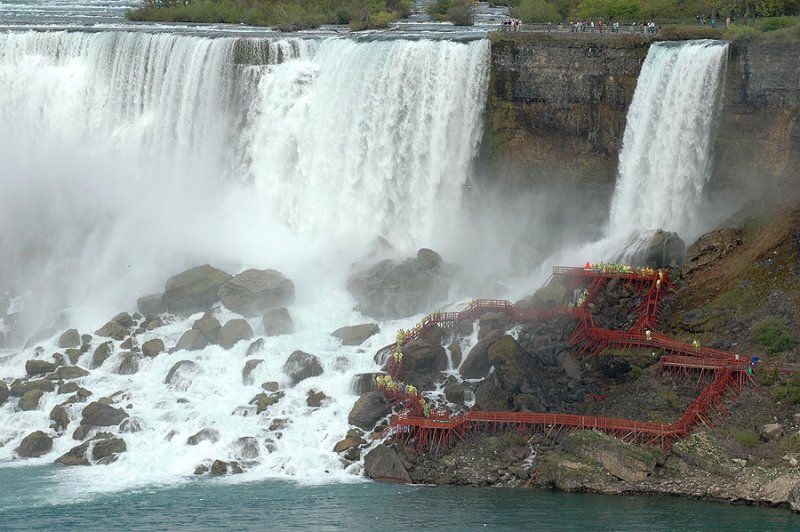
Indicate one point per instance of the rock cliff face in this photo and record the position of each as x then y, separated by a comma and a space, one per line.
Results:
757, 143
557, 110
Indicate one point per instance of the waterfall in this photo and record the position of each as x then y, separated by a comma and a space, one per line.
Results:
129, 156
226, 146
665, 160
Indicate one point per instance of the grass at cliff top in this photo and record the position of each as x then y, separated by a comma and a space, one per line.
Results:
288, 15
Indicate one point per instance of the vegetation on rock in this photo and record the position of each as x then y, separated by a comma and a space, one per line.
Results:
286, 15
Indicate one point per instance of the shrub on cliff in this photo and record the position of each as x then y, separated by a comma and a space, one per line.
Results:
459, 12
775, 334
536, 11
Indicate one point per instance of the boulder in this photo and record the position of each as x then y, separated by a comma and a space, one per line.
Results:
369, 408
770, 431
348, 443
75, 354
4, 393
39, 367
100, 354
81, 432
70, 338
477, 363
210, 435
114, 330
194, 290
153, 347
550, 296
253, 291
423, 360
60, 418
315, 398
20, 388
300, 366
108, 447
70, 387
209, 326
97, 414
264, 401
34, 445
181, 374
192, 340
129, 364
130, 424
247, 371
152, 304
219, 468
233, 332
246, 448
30, 400
363, 383
124, 319
625, 461
383, 465
454, 393
355, 334
657, 249
277, 322
493, 321
396, 290
68, 373
270, 386
255, 347
75, 456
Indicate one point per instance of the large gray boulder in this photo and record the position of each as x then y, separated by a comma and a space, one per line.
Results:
152, 304
34, 445
60, 418
657, 249
75, 456
20, 388
129, 364
277, 322
4, 393
356, 334
623, 460
181, 374
397, 290
252, 292
30, 400
153, 347
234, 331
113, 329
383, 465
369, 408
70, 338
423, 361
39, 367
192, 340
477, 363
97, 414
300, 366
194, 290
247, 371
108, 448
209, 326
71, 372
210, 435
102, 353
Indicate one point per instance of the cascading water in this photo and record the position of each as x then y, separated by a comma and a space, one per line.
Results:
666, 157
127, 157
666, 152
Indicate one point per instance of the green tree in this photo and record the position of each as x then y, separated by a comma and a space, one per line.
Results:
536, 11
609, 9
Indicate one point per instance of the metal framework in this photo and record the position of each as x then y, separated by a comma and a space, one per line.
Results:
441, 428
